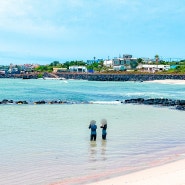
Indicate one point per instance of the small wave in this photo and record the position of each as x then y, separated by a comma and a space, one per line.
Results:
106, 102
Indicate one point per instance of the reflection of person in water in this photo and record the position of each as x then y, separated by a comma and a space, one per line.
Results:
93, 152
93, 128
103, 150
104, 128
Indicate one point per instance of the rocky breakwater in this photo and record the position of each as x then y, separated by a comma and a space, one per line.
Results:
23, 76
133, 77
40, 102
119, 77
5, 101
100, 76
177, 104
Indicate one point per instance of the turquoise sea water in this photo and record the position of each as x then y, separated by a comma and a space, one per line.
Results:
81, 90
46, 144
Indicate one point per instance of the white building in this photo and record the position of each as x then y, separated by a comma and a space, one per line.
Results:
153, 68
147, 60
123, 63
78, 69
108, 63
119, 68
55, 70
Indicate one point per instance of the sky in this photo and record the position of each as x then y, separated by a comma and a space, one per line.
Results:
41, 31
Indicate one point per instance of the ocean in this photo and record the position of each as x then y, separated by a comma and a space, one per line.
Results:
49, 144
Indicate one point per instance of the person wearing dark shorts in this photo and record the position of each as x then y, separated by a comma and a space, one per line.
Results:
93, 128
104, 128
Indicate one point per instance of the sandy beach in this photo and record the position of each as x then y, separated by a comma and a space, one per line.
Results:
168, 174
169, 81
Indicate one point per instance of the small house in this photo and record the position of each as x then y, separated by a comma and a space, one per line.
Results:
78, 69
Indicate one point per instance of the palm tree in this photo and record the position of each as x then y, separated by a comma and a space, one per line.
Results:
94, 58
157, 60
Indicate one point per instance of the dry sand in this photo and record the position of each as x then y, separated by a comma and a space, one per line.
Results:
169, 81
168, 174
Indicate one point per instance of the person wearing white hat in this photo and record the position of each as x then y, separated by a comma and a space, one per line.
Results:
104, 128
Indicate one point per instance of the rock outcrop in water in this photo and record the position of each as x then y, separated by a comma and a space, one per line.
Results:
177, 104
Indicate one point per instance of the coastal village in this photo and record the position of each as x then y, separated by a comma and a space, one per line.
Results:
123, 63
92, 92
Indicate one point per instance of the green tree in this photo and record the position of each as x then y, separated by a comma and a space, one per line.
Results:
44, 68
55, 63
40, 75
139, 60
133, 64
73, 63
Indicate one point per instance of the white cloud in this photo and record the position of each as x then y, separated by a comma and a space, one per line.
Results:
10, 8
29, 17
79, 23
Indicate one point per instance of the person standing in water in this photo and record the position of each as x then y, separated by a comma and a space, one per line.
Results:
93, 128
104, 128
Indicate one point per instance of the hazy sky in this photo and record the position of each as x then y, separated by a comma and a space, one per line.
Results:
45, 30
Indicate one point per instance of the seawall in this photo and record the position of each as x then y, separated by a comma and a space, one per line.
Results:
120, 77
103, 77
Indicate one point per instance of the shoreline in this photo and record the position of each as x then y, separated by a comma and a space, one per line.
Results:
168, 81
168, 174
